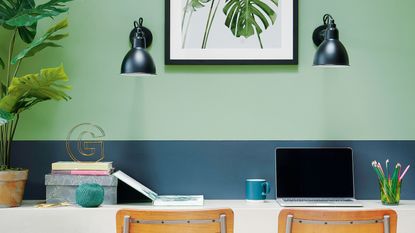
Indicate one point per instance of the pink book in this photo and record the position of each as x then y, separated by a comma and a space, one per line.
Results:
81, 172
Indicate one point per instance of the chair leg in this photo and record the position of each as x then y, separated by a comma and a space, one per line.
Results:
222, 220
126, 227
386, 224
289, 223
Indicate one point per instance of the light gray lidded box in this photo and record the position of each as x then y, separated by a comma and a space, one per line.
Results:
62, 188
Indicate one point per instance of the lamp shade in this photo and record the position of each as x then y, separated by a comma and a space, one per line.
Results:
331, 52
138, 62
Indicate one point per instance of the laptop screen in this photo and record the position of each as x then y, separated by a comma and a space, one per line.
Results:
314, 172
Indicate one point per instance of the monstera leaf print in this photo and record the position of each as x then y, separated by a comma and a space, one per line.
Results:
190, 7
242, 17
195, 4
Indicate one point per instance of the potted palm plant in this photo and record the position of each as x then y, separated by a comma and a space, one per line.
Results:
21, 92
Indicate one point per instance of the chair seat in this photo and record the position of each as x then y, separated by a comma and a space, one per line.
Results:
150, 221
329, 221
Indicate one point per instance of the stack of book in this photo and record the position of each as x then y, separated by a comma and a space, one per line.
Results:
82, 168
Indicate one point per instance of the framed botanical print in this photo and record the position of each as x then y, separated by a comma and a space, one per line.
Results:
220, 32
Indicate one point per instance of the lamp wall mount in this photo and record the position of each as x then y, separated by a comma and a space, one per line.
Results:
320, 32
145, 31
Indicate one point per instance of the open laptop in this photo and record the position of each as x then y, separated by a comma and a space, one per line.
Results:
160, 200
317, 177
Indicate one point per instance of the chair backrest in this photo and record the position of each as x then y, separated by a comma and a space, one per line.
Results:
338, 221
173, 221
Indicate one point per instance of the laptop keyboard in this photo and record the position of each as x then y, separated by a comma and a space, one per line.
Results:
317, 200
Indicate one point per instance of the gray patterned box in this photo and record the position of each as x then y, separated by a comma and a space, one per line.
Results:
61, 188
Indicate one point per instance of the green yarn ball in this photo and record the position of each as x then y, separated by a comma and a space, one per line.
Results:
89, 195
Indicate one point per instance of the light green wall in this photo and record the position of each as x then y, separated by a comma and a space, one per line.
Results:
373, 99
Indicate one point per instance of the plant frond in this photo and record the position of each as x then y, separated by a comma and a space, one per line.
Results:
34, 88
47, 40
29, 16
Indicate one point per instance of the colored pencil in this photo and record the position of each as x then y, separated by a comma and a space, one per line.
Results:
404, 173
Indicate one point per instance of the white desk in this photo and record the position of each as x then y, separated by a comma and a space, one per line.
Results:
248, 217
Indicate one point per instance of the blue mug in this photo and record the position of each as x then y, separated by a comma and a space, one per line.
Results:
257, 190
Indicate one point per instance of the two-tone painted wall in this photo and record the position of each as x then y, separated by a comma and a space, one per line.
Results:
371, 100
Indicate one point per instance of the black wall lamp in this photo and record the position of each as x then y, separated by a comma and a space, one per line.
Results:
330, 52
138, 62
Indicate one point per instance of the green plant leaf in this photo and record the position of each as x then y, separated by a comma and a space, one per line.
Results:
242, 16
58, 36
3, 87
60, 25
2, 63
11, 8
28, 17
40, 47
27, 34
5, 117
43, 42
26, 91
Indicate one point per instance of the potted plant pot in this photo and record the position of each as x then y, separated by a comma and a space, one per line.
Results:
12, 185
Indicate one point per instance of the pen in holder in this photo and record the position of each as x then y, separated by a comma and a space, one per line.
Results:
389, 182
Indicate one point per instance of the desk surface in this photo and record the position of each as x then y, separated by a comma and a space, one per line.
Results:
249, 217
209, 204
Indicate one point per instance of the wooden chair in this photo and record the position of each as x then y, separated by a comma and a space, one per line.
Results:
161, 221
337, 221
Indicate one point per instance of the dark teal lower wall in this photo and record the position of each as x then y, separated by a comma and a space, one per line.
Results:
216, 169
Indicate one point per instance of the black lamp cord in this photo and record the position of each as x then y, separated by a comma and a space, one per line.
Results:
138, 27
328, 19
139, 37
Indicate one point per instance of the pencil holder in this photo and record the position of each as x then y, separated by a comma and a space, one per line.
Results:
390, 182
390, 194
